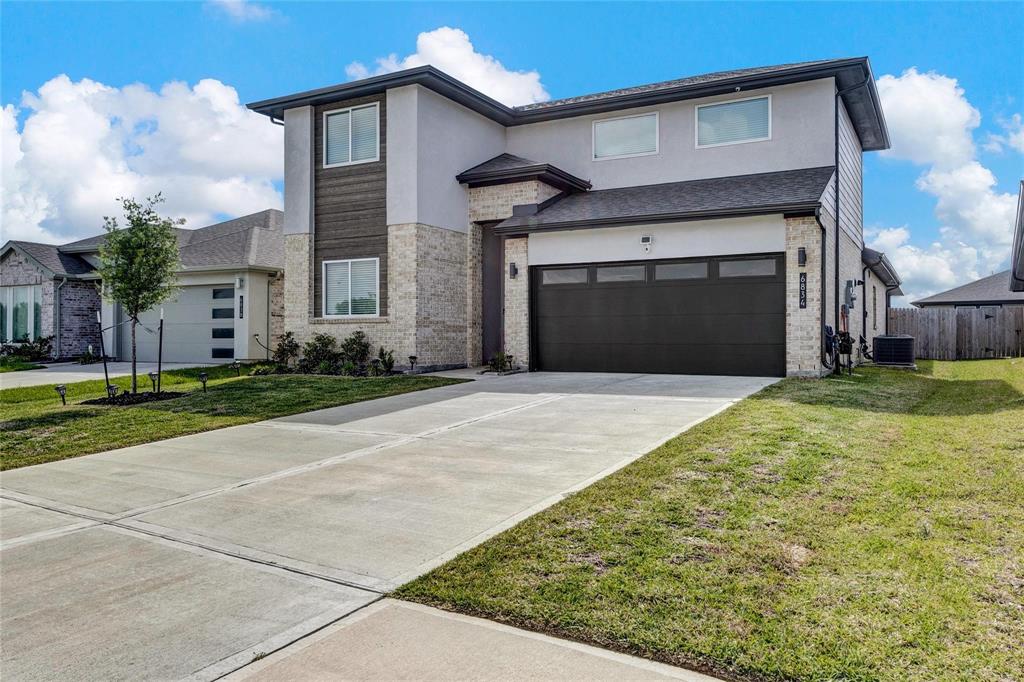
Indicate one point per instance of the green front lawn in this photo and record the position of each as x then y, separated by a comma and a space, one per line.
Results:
12, 364
857, 528
35, 428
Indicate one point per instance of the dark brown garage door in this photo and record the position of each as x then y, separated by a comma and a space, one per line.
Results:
696, 316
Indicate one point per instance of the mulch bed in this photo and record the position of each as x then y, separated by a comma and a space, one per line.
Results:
128, 399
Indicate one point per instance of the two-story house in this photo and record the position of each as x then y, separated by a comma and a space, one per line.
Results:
709, 225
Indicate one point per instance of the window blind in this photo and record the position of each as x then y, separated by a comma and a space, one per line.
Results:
364, 133
336, 288
337, 146
626, 136
733, 122
364, 287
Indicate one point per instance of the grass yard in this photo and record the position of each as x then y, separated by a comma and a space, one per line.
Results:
12, 364
857, 528
35, 428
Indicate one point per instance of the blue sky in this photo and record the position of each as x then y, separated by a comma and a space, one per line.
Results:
268, 49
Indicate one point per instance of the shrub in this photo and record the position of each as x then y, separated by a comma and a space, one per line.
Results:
349, 369
31, 351
88, 357
500, 362
287, 350
356, 349
320, 355
387, 360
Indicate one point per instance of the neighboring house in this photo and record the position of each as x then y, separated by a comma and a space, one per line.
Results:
987, 292
1017, 253
688, 226
231, 290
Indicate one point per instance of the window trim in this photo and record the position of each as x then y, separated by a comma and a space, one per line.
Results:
323, 288
376, 123
696, 122
593, 137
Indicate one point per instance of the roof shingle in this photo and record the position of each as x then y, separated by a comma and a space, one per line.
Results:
991, 290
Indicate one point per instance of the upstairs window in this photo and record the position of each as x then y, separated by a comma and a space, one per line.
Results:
742, 120
351, 136
615, 138
351, 288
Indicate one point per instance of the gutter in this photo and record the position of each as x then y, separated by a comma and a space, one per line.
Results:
516, 229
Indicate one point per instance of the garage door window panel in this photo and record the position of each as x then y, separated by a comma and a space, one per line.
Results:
674, 272
760, 267
621, 273
224, 292
561, 276
223, 313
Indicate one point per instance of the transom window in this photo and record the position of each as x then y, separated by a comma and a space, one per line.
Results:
21, 313
616, 138
351, 135
741, 120
351, 288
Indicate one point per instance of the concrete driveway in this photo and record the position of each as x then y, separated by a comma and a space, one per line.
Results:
70, 372
194, 556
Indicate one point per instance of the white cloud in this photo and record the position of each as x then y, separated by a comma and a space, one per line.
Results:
243, 10
1012, 137
82, 144
450, 50
931, 123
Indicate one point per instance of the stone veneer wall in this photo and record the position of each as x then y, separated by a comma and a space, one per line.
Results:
495, 202
79, 302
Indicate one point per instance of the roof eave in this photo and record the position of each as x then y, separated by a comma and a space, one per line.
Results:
544, 172
1017, 254
12, 246
521, 226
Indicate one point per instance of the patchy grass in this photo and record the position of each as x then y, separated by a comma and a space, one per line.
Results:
857, 528
35, 428
13, 364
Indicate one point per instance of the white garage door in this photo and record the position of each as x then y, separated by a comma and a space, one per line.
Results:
199, 326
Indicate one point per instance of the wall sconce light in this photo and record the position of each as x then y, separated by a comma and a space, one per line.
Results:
512, 271
203, 377
412, 363
62, 391
153, 376
801, 256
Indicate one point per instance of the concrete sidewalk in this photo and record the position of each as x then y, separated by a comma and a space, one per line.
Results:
394, 640
193, 556
70, 372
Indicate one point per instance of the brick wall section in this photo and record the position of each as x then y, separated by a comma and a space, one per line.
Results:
495, 203
426, 316
276, 311
16, 270
79, 302
441, 281
803, 325
517, 303
474, 295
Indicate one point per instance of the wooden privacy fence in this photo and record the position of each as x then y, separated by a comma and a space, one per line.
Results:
962, 333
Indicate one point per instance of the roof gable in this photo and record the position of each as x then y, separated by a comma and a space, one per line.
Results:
991, 290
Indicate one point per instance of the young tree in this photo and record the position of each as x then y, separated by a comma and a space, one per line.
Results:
138, 262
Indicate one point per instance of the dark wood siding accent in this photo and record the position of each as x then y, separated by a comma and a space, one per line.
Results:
350, 206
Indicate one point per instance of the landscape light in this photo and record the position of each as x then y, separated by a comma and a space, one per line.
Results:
111, 391
412, 363
203, 376
237, 366
153, 377
62, 391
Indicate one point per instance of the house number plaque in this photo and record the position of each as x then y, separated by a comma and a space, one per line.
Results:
803, 289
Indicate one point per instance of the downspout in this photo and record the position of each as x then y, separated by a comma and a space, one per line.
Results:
888, 305
56, 316
821, 299
864, 302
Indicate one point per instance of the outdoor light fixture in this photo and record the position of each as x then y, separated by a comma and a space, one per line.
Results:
62, 391
153, 377
111, 391
512, 271
237, 366
412, 363
203, 376
801, 256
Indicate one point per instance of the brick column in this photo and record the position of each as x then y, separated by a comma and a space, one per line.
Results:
517, 302
803, 325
